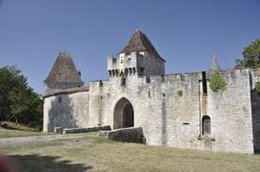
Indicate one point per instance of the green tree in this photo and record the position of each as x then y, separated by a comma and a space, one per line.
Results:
251, 56
217, 82
18, 101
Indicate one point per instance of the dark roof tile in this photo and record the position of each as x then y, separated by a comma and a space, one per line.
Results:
139, 42
64, 73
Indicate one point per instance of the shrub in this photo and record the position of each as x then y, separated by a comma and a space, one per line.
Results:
179, 93
217, 82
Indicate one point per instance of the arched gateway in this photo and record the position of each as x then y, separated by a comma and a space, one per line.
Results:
123, 114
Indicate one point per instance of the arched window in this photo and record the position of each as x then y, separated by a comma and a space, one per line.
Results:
206, 125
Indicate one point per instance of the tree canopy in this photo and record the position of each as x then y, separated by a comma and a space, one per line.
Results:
251, 56
18, 101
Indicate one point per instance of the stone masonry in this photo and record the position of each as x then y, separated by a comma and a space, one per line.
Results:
178, 110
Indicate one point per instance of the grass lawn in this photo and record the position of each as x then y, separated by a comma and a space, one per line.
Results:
18, 131
86, 152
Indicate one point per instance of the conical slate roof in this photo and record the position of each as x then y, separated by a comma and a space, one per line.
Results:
214, 64
63, 73
139, 42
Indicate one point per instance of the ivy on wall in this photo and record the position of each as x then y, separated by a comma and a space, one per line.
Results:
217, 82
179, 93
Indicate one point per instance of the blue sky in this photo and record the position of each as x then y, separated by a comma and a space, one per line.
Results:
186, 33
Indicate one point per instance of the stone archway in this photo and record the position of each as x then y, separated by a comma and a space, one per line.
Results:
123, 114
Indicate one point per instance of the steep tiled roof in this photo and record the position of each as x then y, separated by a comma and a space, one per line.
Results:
63, 73
139, 42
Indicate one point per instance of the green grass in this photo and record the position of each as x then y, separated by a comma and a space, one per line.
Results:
90, 153
18, 130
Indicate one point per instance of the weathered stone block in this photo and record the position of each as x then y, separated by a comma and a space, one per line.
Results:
85, 130
58, 130
131, 135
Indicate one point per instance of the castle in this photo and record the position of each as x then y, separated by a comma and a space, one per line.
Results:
178, 110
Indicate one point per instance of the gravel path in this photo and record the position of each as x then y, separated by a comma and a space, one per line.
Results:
6, 142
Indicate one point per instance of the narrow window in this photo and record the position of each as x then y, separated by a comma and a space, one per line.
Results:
162, 78
141, 71
59, 99
148, 79
204, 83
123, 81
206, 125
100, 83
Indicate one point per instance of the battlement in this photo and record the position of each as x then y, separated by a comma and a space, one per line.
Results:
184, 110
229, 75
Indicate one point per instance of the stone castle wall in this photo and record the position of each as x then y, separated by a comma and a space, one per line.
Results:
142, 64
67, 110
169, 108
255, 74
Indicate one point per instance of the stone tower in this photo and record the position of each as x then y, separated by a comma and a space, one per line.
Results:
138, 58
63, 75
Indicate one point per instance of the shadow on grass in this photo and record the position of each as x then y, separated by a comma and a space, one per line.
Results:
10, 127
6, 126
34, 162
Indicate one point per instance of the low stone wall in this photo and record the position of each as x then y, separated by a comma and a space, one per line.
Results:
131, 135
85, 130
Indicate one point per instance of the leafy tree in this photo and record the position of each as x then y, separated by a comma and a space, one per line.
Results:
18, 101
217, 82
251, 56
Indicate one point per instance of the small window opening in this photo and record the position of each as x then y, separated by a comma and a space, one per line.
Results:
100, 83
123, 81
148, 79
204, 83
163, 94
59, 99
141, 71
162, 78
206, 125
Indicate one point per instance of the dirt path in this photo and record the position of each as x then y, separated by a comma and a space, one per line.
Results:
6, 142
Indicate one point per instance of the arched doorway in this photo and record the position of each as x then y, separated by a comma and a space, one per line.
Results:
123, 114
206, 125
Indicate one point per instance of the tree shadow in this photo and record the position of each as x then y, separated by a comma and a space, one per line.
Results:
39, 163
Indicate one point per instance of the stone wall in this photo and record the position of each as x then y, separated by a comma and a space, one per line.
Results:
255, 75
231, 114
142, 64
151, 65
169, 109
67, 110
131, 135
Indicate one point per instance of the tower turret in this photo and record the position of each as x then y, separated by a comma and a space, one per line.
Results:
138, 57
63, 74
